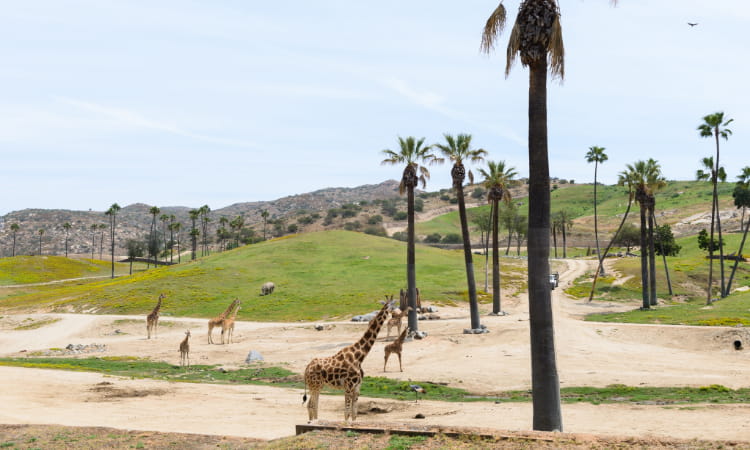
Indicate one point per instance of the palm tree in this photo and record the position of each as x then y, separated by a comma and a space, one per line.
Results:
623, 178
176, 228
172, 219
204, 210
537, 38
264, 215
112, 213
93, 227
41, 233
102, 227
497, 178
164, 219
194, 215
66, 227
414, 154
154, 211
647, 178
744, 183
715, 125
741, 196
14, 227
564, 222
597, 156
223, 234
237, 224
458, 150
711, 174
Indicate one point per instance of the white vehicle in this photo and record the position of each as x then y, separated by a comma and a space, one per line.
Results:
554, 279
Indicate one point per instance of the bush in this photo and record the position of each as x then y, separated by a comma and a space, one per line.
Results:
452, 238
433, 238
400, 236
352, 226
293, 228
453, 200
401, 215
478, 193
349, 213
376, 231
374, 220
445, 197
418, 205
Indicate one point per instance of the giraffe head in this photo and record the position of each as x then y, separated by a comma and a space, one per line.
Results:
187, 334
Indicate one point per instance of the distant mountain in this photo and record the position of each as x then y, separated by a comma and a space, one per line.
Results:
134, 221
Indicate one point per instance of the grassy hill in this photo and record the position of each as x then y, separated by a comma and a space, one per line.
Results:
677, 201
34, 269
320, 275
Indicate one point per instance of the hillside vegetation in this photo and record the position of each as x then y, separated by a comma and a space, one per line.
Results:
34, 269
322, 275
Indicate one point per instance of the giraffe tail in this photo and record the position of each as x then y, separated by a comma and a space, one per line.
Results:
304, 397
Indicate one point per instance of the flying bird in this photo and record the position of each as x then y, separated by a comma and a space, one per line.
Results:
417, 390
692, 24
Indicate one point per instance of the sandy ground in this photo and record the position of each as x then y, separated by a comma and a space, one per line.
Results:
592, 354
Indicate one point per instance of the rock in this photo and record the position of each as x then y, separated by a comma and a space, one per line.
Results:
431, 309
419, 416
319, 327
420, 334
481, 330
69, 347
253, 356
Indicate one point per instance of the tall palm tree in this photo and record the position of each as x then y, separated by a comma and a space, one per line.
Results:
176, 228
597, 156
93, 227
715, 125
709, 172
564, 223
194, 215
14, 227
102, 227
414, 154
154, 211
647, 178
204, 210
66, 227
458, 149
41, 233
497, 179
743, 181
264, 216
164, 219
171, 227
537, 38
624, 178
223, 222
112, 213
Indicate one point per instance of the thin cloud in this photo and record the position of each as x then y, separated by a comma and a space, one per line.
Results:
136, 120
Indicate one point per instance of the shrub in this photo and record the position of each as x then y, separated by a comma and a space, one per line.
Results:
400, 236
452, 238
433, 238
374, 220
375, 231
352, 226
401, 215
418, 205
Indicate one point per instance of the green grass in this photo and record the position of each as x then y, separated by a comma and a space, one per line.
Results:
42, 269
323, 275
31, 324
378, 387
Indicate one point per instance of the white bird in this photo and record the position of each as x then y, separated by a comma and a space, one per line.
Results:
417, 390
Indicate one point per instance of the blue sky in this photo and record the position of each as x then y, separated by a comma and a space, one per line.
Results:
190, 103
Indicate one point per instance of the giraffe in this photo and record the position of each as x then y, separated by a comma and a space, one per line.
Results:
344, 369
152, 320
396, 347
227, 325
395, 320
218, 320
185, 350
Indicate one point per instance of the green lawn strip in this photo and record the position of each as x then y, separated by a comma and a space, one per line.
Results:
35, 269
318, 276
378, 387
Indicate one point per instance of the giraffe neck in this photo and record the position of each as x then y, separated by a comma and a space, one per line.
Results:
226, 313
157, 308
362, 347
401, 338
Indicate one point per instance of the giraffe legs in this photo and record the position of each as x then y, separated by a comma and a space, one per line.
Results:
387, 354
399, 362
210, 329
350, 403
312, 404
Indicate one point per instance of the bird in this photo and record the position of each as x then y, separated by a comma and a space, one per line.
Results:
417, 390
692, 24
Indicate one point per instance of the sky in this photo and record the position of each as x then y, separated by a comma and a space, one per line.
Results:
186, 103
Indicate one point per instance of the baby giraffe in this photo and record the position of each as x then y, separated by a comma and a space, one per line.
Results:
227, 326
395, 347
185, 350
395, 320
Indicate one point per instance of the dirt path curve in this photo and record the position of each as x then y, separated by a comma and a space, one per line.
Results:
588, 353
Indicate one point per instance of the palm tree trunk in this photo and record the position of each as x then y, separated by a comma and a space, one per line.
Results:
565, 242
711, 243
651, 254
596, 222
411, 271
664, 258
721, 248
644, 260
554, 238
468, 260
496, 306
599, 269
739, 255
545, 383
